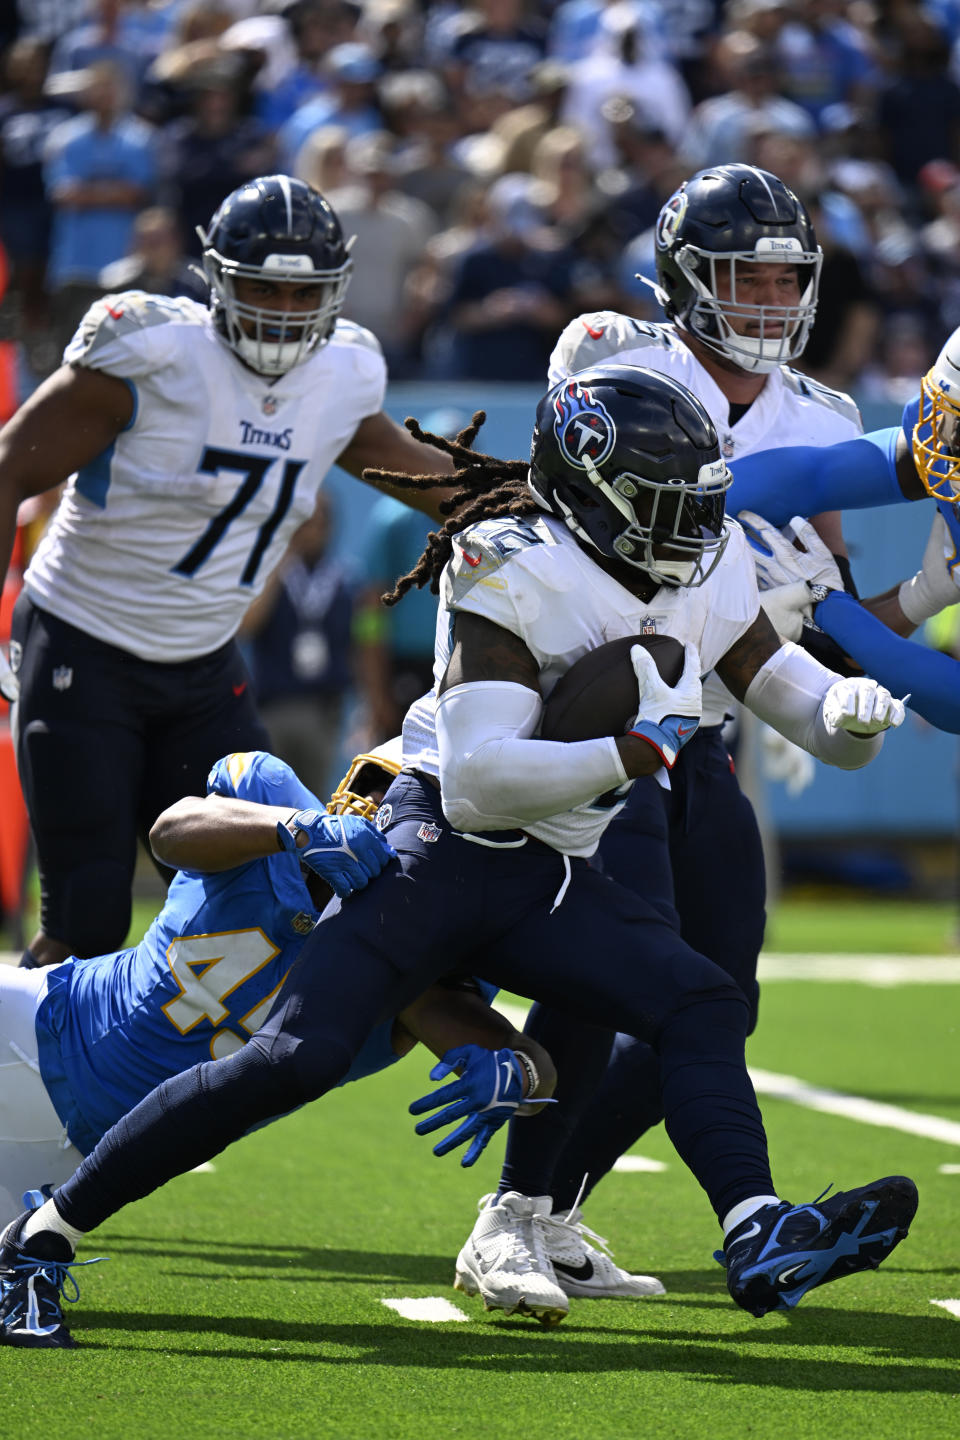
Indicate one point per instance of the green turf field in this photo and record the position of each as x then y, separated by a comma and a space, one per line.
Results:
248, 1301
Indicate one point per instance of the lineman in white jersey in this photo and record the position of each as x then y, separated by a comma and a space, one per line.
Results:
738, 268
491, 826
195, 440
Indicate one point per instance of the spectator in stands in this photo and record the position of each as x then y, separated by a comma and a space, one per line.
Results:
918, 114
352, 71
722, 127
511, 294
391, 230
213, 148
27, 119
825, 59
417, 108
100, 169
156, 262
314, 27
497, 49
629, 67
113, 32
298, 634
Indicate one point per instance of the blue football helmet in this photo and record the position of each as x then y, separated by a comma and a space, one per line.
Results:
278, 229
630, 461
720, 216
936, 435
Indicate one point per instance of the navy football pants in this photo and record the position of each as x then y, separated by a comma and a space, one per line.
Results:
694, 853
602, 953
105, 742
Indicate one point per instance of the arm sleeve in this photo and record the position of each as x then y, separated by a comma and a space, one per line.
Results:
807, 479
493, 776
931, 678
788, 693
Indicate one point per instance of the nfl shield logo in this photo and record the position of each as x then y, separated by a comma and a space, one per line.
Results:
428, 833
62, 677
649, 626
302, 923
270, 405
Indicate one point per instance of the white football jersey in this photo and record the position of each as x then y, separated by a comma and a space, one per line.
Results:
160, 544
791, 409
529, 576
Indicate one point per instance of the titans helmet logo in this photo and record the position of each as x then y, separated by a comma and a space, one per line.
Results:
582, 426
670, 219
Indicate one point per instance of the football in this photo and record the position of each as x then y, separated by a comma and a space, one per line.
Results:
599, 693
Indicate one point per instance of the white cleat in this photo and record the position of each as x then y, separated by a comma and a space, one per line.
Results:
586, 1271
505, 1263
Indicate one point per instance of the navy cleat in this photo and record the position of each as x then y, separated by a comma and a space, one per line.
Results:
31, 1285
779, 1253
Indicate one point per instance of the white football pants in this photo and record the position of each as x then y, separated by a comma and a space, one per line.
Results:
34, 1149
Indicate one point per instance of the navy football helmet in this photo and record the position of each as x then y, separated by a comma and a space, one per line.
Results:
630, 461
720, 216
278, 229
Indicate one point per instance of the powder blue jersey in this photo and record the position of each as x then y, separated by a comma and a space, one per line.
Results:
858, 474
198, 985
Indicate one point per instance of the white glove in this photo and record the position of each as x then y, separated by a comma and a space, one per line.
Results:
794, 553
785, 762
669, 714
787, 607
933, 587
9, 684
861, 707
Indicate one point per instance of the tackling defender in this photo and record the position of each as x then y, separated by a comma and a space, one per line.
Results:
493, 828
195, 440
918, 460
256, 863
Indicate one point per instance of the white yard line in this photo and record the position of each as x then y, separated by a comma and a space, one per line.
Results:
952, 1306
855, 1107
432, 1308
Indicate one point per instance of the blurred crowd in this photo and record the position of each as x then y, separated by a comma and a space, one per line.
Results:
501, 164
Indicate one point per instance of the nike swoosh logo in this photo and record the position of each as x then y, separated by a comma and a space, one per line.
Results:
689, 730
473, 560
594, 334
239, 689
485, 1266
747, 1235
576, 1272
789, 1273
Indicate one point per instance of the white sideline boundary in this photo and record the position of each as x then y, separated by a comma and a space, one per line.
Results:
829, 1102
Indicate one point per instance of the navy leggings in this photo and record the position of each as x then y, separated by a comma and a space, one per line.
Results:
591, 948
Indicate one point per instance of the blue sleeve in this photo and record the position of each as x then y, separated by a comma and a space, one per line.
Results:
807, 479
931, 678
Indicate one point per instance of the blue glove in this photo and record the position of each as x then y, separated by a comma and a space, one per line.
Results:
487, 1092
344, 850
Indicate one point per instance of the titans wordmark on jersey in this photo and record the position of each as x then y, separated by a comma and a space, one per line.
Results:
160, 543
530, 577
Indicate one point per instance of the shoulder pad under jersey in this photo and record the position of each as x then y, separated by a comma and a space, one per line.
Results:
346, 332
481, 551
115, 317
835, 400
601, 336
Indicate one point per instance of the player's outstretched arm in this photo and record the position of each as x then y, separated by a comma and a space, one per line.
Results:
379, 443
873, 469
840, 721
930, 678
445, 1018
219, 833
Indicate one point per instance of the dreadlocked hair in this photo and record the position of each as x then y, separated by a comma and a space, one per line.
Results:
485, 489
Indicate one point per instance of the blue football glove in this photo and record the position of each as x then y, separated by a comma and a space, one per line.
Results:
344, 850
488, 1091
